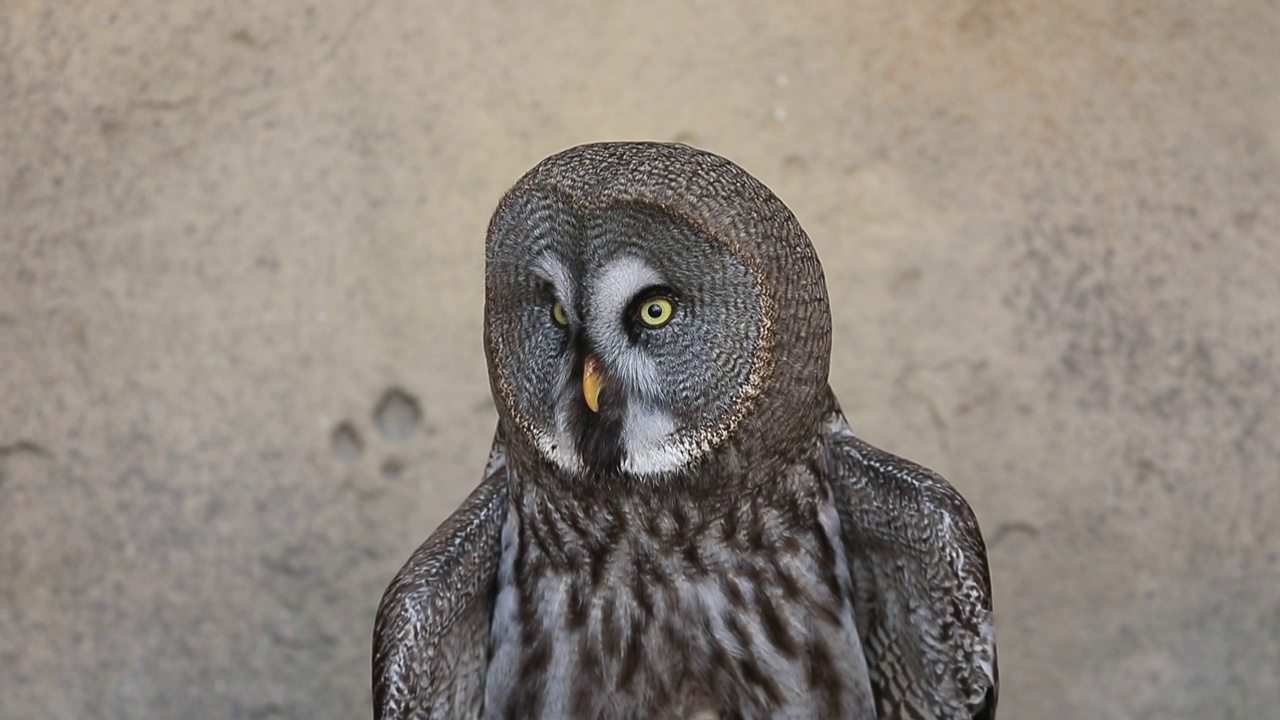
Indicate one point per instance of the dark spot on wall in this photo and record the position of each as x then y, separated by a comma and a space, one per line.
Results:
346, 442
397, 415
392, 468
111, 129
242, 37
268, 261
982, 20
905, 281
14, 455
794, 166
1006, 530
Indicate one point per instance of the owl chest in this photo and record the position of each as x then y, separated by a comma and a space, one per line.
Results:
700, 628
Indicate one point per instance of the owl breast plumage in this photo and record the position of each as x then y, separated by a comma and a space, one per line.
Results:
676, 520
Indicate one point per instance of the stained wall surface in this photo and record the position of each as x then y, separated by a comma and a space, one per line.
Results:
240, 301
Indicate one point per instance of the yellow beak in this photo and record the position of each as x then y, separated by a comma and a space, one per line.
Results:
592, 382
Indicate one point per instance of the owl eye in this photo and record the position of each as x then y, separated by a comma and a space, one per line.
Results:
558, 315
656, 311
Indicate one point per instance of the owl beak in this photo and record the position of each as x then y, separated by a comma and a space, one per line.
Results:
592, 382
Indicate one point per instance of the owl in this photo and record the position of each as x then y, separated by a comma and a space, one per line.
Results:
675, 520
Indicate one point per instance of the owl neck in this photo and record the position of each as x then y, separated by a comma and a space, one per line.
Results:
721, 484
564, 523
751, 462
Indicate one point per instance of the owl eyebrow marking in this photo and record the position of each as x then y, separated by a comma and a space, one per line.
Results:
610, 297
549, 267
619, 282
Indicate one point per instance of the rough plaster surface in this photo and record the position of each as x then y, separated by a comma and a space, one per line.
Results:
240, 300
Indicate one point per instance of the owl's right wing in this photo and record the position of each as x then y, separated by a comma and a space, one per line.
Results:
430, 640
922, 593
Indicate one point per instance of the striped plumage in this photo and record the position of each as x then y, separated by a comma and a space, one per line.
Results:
648, 604
784, 570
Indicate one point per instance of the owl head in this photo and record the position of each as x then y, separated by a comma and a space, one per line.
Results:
649, 307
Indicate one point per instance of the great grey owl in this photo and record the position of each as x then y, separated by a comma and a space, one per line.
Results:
676, 520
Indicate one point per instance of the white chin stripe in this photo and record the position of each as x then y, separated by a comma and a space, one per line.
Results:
560, 451
645, 430
657, 460
648, 434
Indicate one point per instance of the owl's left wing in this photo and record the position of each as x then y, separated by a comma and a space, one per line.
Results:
922, 593
430, 640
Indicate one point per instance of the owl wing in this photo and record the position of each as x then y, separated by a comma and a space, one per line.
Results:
922, 593
431, 636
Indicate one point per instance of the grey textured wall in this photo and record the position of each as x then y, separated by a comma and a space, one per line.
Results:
240, 302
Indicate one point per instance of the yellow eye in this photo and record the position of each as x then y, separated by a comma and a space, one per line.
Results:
558, 314
656, 311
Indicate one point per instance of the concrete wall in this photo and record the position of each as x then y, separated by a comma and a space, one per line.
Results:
240, 301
